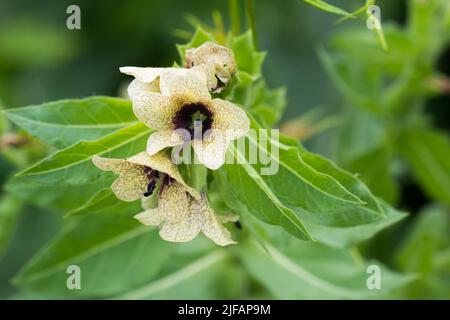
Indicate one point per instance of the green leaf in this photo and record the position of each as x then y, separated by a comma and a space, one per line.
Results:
114, 253
351, 236
328, 8
305, 270
260, 201
189, 281
51, 196
104, 200
428, 235
428, 153
247, 58
10, 208
350, 182
374, 170
199, 38
360, 133
425, 250
73, 165
66, 122
359, 85
323, 193
264, 104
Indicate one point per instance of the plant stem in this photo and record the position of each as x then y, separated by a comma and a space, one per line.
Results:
251, 22
234, 16
198, 175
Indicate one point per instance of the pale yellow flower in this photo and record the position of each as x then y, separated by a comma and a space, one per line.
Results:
182, 220
217, 62
181, 213
146, 79
141, 174
183, 104
220, 61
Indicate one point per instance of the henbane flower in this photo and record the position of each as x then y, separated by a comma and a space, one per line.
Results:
181, 211
220, 61
217, 62
193, 217
142, 174
185, 107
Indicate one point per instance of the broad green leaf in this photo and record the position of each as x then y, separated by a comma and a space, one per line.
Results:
73, 165
66, 122
319, 4
194, 280
351, 236
295, 189
347, 180
306, 270
114, 252
104, 201
51, 196
428, 153
260, 201
334, 237
10, 208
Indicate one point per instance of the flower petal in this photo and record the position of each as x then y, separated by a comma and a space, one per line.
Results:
160, 140
182, 231
229, 118
149, 217
137, 88
148, 74
192, 83
211, 226
130, 186
155, 110
162, 163
107, 164
219, 60
212, 149
132, 181
173, 202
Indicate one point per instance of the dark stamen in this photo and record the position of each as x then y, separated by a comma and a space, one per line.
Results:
150, 188
152, 176
192, 114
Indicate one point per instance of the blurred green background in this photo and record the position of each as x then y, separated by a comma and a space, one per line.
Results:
41, 60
